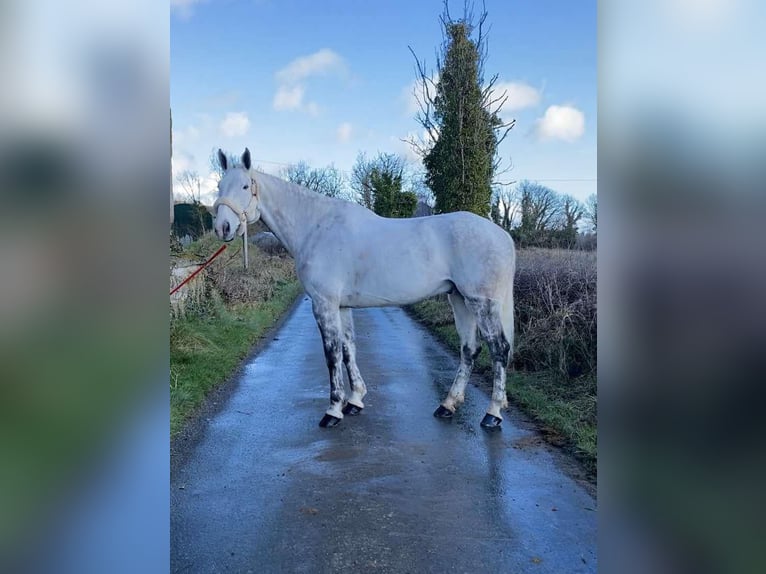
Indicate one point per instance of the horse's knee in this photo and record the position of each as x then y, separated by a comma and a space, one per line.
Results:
470, 354
332, 353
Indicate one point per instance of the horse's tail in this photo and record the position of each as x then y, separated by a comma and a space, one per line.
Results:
507, 312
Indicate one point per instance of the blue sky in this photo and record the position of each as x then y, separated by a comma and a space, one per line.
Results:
321, 80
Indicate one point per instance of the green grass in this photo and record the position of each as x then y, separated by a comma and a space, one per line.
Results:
205, 349
565, 409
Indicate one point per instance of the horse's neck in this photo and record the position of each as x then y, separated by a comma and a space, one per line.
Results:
288, 210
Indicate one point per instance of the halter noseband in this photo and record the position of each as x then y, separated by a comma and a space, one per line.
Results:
240, 213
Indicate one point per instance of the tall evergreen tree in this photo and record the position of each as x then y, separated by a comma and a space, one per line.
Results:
461, 119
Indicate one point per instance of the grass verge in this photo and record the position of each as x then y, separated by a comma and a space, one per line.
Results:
205, 351
219, 328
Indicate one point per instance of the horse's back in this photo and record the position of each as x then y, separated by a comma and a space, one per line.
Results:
370, 260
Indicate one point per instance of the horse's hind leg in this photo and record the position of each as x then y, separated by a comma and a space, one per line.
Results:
465, 321
330, 326
488, 314
358, 389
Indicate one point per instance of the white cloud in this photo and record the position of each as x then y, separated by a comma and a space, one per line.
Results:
226, 98
566, 123
179, 162
289, 97
209, 189
235, 124
183, 137
315, 64
519, 95
291, 79
344, 132
183, 7
312, 108
702, 13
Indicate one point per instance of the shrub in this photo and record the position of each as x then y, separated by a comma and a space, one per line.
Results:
555, 306
227, 279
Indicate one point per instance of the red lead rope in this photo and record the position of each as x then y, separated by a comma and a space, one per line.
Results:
190, 277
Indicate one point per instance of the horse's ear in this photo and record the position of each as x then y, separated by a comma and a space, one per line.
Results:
222, 160
246, 159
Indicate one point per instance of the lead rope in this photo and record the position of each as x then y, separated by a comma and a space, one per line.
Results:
201, 267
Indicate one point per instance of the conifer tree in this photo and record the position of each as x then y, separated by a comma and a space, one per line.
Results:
460, 115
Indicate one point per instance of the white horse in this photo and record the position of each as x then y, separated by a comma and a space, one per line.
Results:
348, 257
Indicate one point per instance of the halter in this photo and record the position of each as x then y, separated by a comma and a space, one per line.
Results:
244, 219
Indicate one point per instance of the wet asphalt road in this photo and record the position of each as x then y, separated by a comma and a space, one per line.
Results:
264, 489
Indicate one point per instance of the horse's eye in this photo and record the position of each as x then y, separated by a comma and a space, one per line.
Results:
245, 187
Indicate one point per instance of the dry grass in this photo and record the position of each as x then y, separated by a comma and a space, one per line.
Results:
555, 306
265, 275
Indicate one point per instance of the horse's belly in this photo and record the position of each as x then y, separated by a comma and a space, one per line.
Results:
379, 296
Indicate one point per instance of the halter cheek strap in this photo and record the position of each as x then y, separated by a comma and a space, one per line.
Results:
241, 213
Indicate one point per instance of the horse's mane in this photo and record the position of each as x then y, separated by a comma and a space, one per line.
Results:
303, 191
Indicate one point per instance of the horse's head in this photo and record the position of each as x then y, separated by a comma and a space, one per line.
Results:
237, 203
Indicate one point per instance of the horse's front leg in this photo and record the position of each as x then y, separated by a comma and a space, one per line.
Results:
358, 389
328, 319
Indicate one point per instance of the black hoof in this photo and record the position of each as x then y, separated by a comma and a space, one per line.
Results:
443, 413
328, 421
491, 422
352, 410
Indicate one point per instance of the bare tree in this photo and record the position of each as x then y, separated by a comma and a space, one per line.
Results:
415, 180
328, 180
571, 212
505, 206
540, 207
191, 184
360, 180
591, 211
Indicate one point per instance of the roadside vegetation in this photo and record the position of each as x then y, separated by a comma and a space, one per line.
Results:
553, 377
459, 110
217, 330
